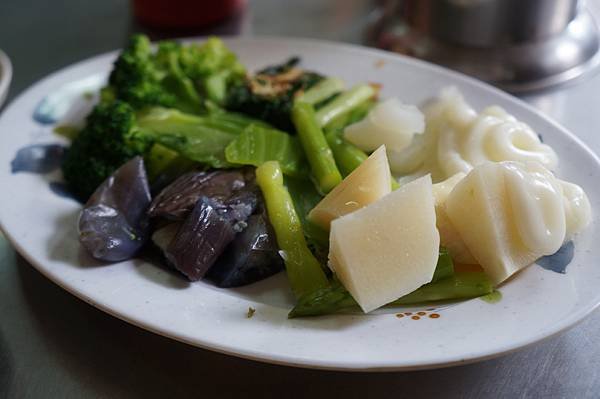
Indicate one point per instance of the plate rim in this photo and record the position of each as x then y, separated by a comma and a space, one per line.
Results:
557, 328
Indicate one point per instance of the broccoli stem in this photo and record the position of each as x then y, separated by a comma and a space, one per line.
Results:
322, 91
334, 299
318, 153
344, 103
303, 269
347, 156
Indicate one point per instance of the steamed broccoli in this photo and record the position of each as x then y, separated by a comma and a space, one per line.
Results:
176, 75
269, 95
136, 78
107, 141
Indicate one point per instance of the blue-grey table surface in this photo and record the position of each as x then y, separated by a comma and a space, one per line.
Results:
54, 345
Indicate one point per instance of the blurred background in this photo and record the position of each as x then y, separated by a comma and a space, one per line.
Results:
521, 46
54, 345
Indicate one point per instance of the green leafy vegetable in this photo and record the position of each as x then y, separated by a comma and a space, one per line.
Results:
199, 138
269, 95
256, 145
303, 269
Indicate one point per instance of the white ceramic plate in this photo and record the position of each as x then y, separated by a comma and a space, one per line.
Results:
536, 304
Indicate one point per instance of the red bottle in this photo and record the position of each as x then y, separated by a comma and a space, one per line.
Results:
184, 14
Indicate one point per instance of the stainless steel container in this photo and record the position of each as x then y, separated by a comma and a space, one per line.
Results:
519, 45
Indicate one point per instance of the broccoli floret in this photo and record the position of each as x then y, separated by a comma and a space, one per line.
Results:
269, 94
136, 77
213, 67
176, 76
107, 141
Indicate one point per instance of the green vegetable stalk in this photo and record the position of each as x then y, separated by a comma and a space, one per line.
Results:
320, 157
345, 102
347, 156
335, 299
460, 286
444, 267
303, 269
322, 91
445, 285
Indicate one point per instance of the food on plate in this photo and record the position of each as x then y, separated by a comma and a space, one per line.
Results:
510, 213
113, 224
399, 252
390, 123
233, 176
449, 236
303, 269
320, 157
205, 233
458, 138
253, 255
366, 184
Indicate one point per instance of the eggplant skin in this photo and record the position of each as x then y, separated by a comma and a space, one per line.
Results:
252, 256
176, 200
113, 224
206, 232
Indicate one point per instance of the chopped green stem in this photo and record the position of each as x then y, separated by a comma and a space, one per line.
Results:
318, 153
303, 269
445, 285
354, 115
334, 299
444, 267
345, 102
347, 156
460, 286
322, 91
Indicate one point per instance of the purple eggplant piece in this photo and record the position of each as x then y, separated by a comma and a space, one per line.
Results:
200, 240
239, 207
113, 224
252, 256
206, 232
176, 200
